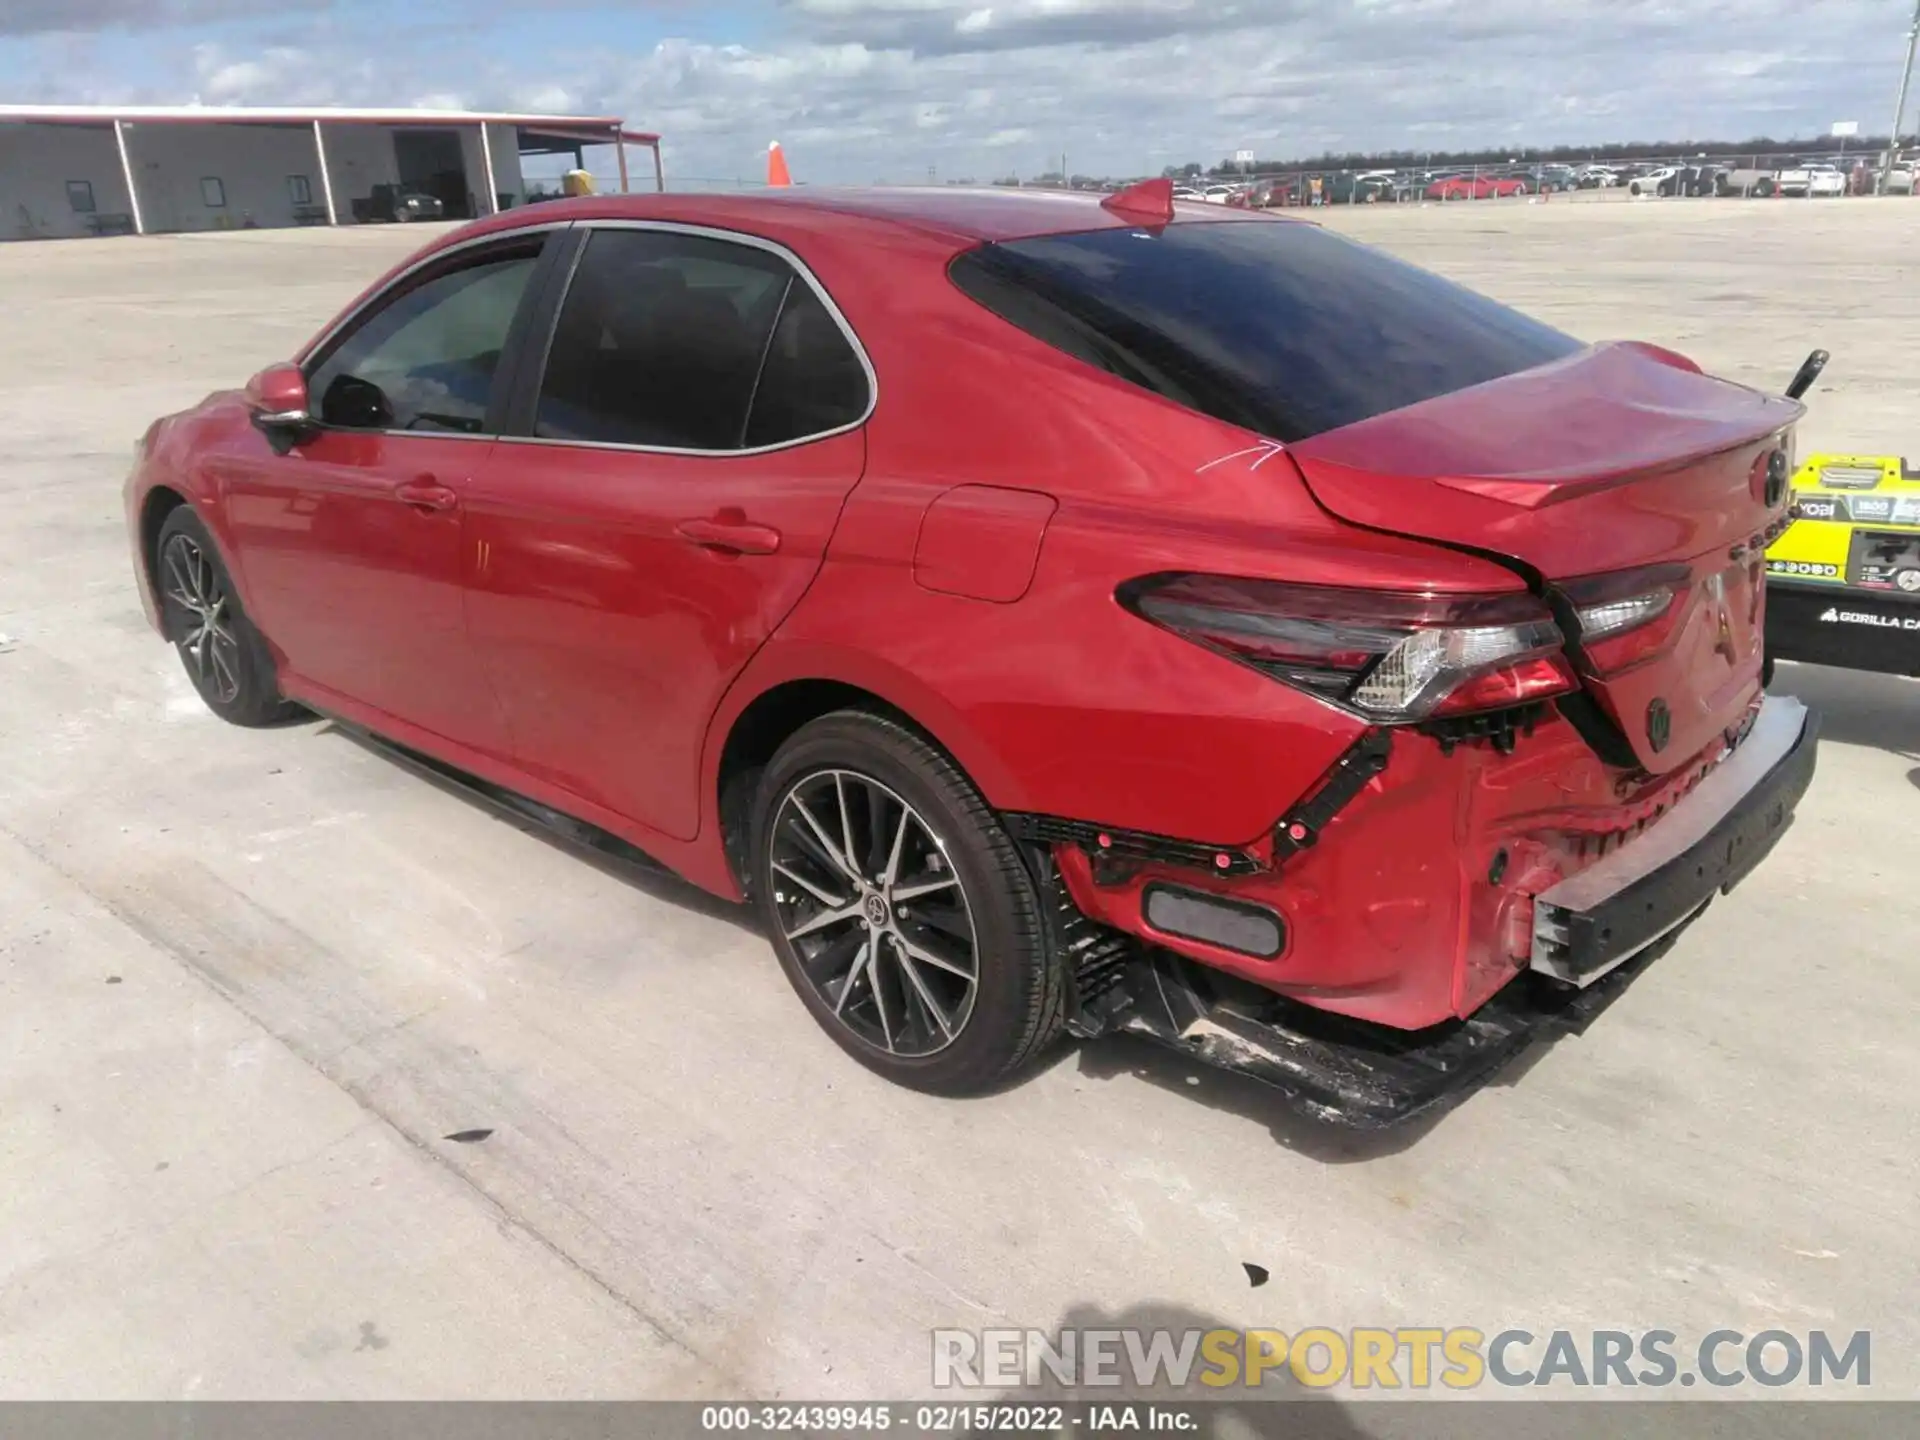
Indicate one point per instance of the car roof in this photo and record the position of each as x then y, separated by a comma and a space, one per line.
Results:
957, 213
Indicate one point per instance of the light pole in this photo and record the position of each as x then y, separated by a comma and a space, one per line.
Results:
1900, 106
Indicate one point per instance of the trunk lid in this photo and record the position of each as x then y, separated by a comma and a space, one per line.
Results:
1620, 458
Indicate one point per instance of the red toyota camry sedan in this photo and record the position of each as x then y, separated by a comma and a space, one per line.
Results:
1048, 612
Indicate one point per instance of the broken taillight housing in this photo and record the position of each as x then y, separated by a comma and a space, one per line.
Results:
1391, 656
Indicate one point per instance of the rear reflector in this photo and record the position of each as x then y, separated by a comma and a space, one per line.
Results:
1230, 924
1510, 685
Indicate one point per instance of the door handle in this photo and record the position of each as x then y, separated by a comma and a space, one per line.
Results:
732, 533
426, 494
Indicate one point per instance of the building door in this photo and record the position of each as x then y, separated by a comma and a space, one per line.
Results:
432, 163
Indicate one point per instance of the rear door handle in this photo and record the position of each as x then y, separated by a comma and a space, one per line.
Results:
426, 493
725, 532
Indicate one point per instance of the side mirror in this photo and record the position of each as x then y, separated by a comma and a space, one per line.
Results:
277, 396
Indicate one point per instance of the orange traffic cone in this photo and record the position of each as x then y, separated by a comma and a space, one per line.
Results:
777, 166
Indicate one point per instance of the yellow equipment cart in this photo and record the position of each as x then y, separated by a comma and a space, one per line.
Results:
1843, 581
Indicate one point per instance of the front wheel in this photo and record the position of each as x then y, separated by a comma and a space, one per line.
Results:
225, 656
900, 910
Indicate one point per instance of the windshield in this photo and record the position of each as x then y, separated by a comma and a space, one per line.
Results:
1280, 327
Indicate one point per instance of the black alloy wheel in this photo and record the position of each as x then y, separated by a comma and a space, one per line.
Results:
871, 904
200, 618
904, 916
226, 658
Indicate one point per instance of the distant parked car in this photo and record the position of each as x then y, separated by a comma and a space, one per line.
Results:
1691, 180
1476, 187
1649, 183
1361, 189
1596, 177
1548, 178
1899, 180
1219, 194
1272, 194
1815, 179
1187, 192
389, 203
1746, 180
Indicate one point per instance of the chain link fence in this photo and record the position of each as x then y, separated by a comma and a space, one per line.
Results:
1757, 176
1836, 174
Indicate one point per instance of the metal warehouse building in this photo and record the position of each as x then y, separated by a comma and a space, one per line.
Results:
95, 170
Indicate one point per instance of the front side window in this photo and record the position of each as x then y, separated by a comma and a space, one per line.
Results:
1278, 326
687, 342
80, 196
426, 361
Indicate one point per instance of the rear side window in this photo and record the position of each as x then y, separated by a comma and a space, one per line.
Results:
1280, 326
812, 381
688, 342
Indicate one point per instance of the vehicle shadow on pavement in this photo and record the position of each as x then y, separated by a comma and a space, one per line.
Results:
606, 853
1857, 707
1103, 1059
1277, 1405
1115, 1055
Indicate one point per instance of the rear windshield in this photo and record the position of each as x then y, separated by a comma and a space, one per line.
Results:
1280, 327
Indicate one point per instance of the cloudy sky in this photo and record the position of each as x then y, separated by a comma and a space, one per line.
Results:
861, 90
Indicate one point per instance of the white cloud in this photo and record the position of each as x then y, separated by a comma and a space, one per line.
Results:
863, 89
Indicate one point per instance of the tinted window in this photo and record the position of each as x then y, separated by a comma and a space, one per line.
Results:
660, 340
426, 361
1280, 327
812, 381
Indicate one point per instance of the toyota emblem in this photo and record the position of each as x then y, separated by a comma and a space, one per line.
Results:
1659, 724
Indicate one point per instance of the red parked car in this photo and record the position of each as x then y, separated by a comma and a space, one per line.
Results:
1476, 187
1048, 613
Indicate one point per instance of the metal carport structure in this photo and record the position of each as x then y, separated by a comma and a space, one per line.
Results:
533, 133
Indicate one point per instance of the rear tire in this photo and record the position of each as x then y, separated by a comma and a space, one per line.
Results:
900, 910
226, 658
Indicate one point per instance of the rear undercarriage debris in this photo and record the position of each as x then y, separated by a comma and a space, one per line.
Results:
1342, 1072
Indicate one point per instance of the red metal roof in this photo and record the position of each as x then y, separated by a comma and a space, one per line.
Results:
283, 115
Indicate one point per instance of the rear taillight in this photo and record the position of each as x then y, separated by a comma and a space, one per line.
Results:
1627, 617
1390, 656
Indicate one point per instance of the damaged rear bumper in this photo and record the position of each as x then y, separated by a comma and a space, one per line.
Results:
1341, 1071
1594, 934
1589, 923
